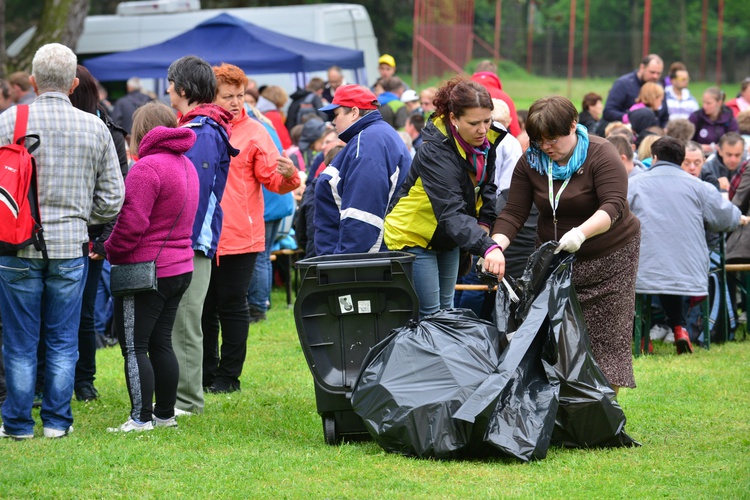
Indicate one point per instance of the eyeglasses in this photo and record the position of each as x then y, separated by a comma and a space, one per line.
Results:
542, 143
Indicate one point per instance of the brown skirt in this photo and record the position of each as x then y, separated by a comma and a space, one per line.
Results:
606, 291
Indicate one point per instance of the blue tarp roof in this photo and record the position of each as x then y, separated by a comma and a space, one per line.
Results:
225, 38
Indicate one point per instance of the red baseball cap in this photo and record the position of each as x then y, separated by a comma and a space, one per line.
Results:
353, 96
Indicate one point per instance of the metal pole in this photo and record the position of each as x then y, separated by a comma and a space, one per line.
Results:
646, 28
585, 62
571, 45
530, 36
719, 42
415, 46
498, 18
704, 29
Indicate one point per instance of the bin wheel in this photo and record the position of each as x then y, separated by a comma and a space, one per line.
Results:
329, 430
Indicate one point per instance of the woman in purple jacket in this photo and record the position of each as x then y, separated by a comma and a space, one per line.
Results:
713, 120
156, 222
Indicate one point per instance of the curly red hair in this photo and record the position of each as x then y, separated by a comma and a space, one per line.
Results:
230, 74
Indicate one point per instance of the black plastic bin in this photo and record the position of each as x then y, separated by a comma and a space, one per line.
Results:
345, 306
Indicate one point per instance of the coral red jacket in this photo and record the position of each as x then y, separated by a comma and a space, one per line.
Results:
243, 230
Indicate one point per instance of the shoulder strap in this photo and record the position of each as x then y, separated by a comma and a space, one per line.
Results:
22, 119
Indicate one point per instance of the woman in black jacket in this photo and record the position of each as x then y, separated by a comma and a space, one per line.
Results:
447, 201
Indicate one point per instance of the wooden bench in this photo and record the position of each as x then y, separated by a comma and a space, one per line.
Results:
744, 284
290, 257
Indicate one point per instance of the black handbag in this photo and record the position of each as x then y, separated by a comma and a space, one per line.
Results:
132, 279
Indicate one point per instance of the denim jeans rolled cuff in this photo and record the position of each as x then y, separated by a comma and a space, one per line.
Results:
26, 284
435, 274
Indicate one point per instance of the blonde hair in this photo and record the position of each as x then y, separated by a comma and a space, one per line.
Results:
147, 117
644, 150
501, 113
650, 93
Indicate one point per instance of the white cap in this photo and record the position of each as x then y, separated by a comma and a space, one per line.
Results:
409, 96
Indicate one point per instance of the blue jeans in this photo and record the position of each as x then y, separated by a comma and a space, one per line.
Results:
36, 294
104, 308
86, 366
435, 274
259, 293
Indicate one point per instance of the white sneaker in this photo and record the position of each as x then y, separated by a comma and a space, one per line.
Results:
132, 425
17, 437
57, 433
658, 332
669, 339
165, 422
182, 413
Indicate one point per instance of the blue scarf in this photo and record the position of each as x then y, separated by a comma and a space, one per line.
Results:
539, 160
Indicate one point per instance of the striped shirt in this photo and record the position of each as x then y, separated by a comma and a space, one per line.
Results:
78, 173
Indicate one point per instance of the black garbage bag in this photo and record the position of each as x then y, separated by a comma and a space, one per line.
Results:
547, 389
446, 387
417, 378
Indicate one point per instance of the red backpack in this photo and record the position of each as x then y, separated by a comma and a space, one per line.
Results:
20, 221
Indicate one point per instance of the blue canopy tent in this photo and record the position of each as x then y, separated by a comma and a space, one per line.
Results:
226, 38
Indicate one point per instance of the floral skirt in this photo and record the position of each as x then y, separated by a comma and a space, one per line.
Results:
606, 291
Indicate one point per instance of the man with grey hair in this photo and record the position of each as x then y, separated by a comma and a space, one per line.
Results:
122, 112
79, 183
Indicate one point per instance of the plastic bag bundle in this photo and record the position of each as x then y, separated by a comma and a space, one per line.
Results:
408, 391
544, 388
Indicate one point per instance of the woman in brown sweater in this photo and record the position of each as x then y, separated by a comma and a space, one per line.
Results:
580, 186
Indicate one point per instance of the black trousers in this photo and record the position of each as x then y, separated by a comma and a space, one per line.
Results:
143, 324
674, 310
226, 307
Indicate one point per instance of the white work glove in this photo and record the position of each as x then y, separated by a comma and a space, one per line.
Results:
571, 241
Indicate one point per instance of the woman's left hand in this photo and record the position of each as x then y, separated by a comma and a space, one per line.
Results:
494, 263
285, 167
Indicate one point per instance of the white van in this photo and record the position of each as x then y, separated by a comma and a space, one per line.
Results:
139, 24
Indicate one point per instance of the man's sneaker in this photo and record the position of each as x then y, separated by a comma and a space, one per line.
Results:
165, 422
17, 437
182, 413
658, 332
682, 341
86, 392
57, 433
132, 426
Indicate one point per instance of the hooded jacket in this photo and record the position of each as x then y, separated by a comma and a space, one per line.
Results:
161, 198
439, 207
210, 156
255, 165
492, 83
708, 131
353, 193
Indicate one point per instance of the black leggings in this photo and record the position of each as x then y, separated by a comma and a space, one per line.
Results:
226, 305
143, 324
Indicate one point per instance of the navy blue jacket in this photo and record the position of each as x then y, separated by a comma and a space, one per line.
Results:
352, 194
622, 96
210, 155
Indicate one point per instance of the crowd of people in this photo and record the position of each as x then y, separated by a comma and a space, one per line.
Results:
201, 182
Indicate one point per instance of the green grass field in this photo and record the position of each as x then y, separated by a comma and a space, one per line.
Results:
691, 413
524, 89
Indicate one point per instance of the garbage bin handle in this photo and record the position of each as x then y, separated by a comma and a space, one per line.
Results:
353, 265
